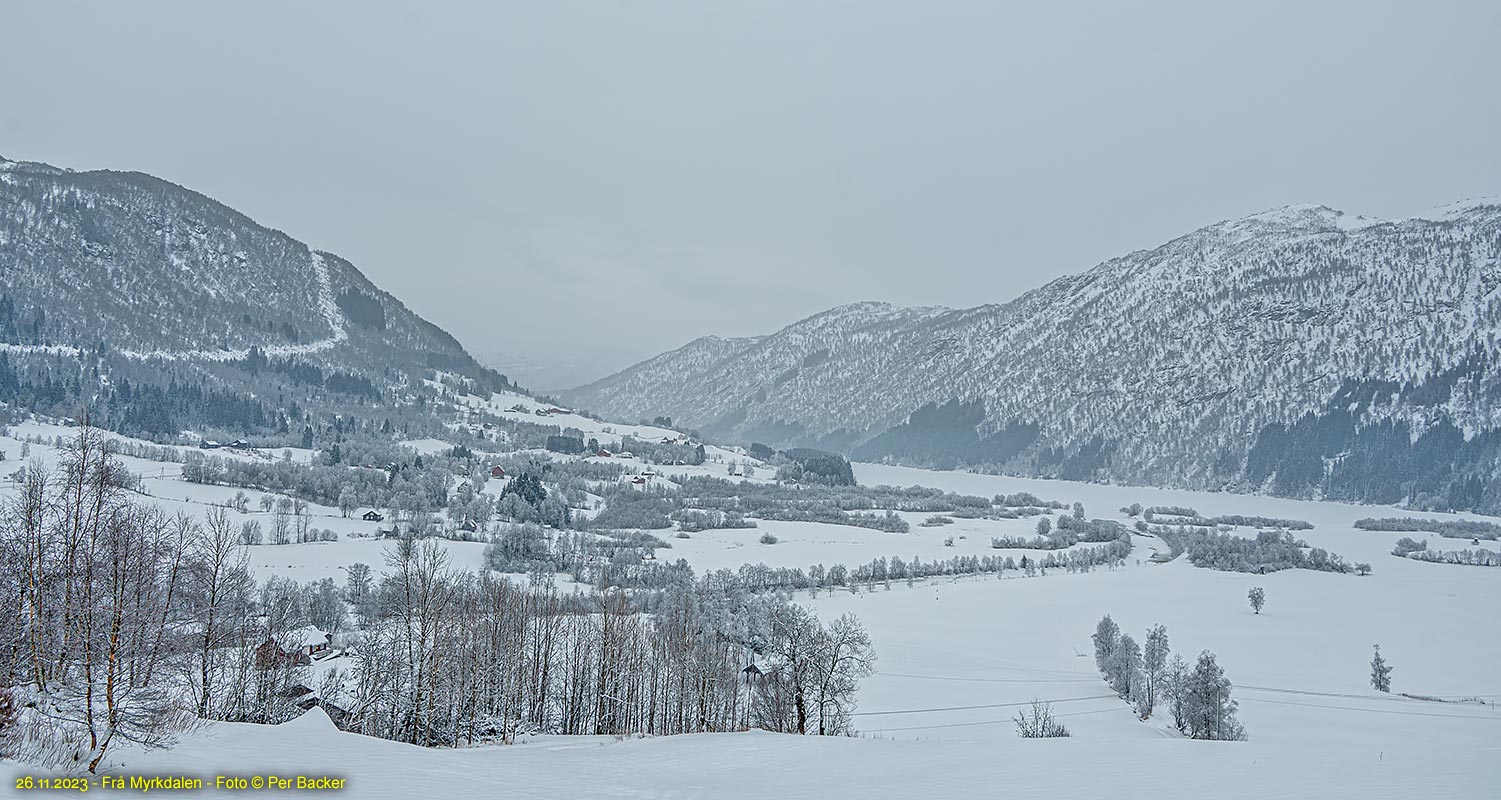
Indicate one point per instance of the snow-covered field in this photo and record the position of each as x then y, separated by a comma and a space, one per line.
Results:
958, 656
753, 766
500, 404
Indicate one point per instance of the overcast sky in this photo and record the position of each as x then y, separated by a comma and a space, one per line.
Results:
589, 182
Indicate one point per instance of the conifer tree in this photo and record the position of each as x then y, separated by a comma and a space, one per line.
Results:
1381, 672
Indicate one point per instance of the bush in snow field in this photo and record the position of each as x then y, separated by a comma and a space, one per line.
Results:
1038, 723
1257, 597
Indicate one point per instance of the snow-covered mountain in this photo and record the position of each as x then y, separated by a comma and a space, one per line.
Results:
1302, 351
108, 276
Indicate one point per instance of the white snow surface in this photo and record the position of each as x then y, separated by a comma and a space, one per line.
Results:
956, 658
755, 766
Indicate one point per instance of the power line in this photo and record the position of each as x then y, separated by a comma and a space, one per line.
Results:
1383, 697
984, 722
1301, 692
990, 680
972, 708
1246, 686
1374, 710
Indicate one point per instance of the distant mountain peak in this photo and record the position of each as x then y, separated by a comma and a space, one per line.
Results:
1166, 366
1321, 217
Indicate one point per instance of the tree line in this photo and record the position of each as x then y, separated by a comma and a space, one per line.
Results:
120, 623
1151, 674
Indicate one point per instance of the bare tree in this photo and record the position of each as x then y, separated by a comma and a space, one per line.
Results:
220, 583
1038, 722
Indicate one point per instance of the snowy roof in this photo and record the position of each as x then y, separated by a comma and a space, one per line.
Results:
309, 635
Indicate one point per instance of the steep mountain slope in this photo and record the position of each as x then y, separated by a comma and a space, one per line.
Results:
119, 276
716, 381
1302, 350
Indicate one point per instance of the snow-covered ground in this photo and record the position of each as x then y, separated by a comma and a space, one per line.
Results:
303, 562
717, 461
956, 657
754, 766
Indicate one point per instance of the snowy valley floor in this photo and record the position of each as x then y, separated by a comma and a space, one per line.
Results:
956, 657
761, 765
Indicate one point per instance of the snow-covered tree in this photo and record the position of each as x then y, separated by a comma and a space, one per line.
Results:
250, 532
1257, 596
1209, 712
1106, 638
1174, 681
1124, 665
358, 583
1381, 672
1154, 665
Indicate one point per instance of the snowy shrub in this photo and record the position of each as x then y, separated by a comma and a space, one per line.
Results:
1406, 545
1451, 529
1242, 521
1475, 557
1173, 511
1038, 723
1270, 551
1022, 499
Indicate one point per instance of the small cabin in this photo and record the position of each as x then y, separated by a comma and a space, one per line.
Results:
468, 526
603, 453
271, 655
313, 642
373, 516
497, 471
297, 648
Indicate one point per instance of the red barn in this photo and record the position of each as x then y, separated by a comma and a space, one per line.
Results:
497, 472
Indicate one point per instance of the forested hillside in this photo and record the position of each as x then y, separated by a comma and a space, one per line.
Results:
1302, 351
161, 310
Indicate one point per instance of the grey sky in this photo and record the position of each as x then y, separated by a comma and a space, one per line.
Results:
590, 181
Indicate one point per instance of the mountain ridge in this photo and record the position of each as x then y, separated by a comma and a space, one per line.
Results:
1172, 365
119, 277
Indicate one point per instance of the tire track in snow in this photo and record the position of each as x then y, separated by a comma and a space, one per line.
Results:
327, 308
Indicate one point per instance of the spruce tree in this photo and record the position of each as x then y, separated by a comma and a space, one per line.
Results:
1381, 672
